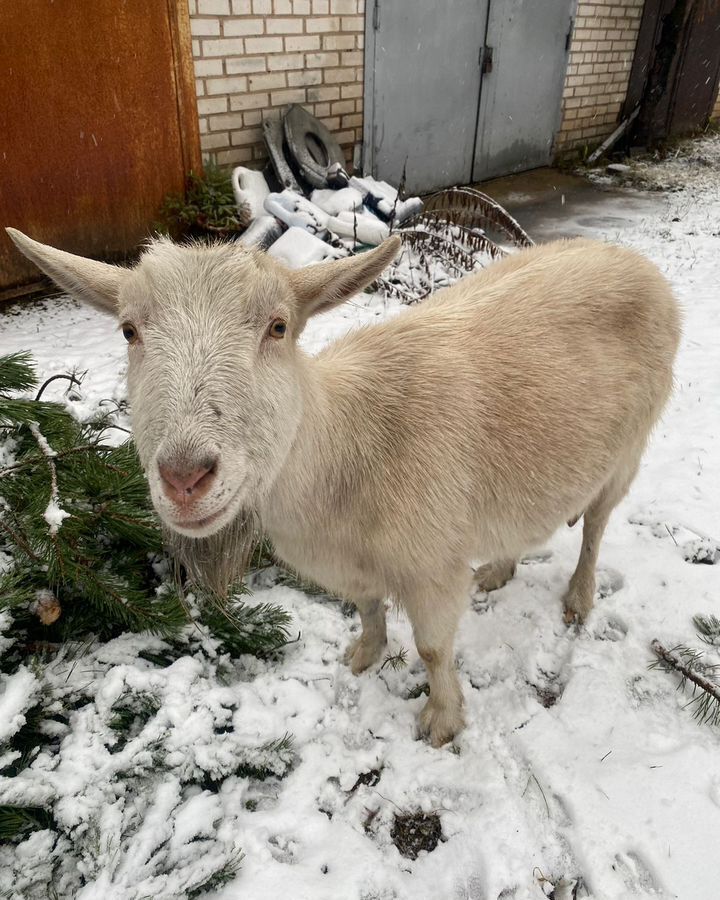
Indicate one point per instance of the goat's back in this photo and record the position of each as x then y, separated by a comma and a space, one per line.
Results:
501, 406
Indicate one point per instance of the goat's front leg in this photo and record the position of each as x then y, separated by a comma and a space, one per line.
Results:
434, 625
367, 649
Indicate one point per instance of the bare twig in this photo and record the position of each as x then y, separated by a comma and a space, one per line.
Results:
71, 378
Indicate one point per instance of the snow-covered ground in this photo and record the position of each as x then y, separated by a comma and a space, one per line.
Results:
577, 762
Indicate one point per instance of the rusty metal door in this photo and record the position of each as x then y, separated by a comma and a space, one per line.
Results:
98, 121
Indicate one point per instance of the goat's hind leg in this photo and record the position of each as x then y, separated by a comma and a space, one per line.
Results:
578, 599
367, 649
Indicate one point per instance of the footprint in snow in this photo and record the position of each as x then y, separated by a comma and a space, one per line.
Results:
608, 582
636, 874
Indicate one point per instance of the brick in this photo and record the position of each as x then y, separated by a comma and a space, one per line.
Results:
334, 76
344, 137
332, 124
338, 42
254, 117
280, 98
196, 48
248, 101
208, 67
322, 110
213, 7
322, 24
233, 157
284, 26
306, 42
241, 7
286, 61
207, 105
225, 121
304, 78
351, 58
301, 7
343, 7
210, 141
267, 82
264, 45
352, 23
199, 87
353, 121
321, 60
246, 136
320, 7
204, 27
242, 26
351, 90
282, 7
342, 106
223, 47
228, 85
262, 7
323, 93
245, 64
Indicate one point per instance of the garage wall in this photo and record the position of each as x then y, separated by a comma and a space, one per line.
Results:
254, 57
601, 55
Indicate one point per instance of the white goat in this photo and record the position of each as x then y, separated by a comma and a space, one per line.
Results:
469, 428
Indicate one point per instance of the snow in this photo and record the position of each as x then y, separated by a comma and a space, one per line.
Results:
16, 693
576, 762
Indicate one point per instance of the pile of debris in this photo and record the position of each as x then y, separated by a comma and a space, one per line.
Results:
320, 212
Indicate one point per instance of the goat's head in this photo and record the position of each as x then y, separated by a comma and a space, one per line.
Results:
214, 374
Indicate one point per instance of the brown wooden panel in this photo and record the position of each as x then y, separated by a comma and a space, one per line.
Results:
97, 122
676, 67
696, 83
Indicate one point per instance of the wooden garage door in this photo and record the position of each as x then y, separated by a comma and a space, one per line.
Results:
98, 121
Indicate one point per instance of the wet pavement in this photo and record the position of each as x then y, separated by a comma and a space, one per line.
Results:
551, 204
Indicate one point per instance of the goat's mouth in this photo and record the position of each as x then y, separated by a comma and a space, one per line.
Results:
207, 525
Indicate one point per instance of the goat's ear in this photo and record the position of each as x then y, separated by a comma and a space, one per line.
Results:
94, 282
320, 287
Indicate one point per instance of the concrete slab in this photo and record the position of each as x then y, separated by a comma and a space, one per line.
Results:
550, 204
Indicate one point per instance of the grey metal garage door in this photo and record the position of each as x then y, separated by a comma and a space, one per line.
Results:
462, 90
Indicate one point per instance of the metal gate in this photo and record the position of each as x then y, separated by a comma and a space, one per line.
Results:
464, 90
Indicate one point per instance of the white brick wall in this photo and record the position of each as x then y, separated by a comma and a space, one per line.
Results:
601, 57
254, 57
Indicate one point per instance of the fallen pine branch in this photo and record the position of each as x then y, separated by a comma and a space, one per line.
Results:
687, 663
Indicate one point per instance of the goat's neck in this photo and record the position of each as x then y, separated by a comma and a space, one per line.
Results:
330, 437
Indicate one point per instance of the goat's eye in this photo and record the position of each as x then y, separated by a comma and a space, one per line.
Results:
129, 332
277, 328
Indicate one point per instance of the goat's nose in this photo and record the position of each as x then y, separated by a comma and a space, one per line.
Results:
186, 485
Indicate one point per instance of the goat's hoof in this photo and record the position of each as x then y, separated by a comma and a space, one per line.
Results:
440, 724
576, 608
493, 576
360, 655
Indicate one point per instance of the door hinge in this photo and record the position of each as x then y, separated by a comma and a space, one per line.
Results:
568, 36
376, 15
486, 60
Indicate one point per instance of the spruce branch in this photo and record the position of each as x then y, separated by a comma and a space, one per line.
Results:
708, 628
688, 663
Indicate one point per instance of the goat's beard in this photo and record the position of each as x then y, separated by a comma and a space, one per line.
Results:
220, 560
